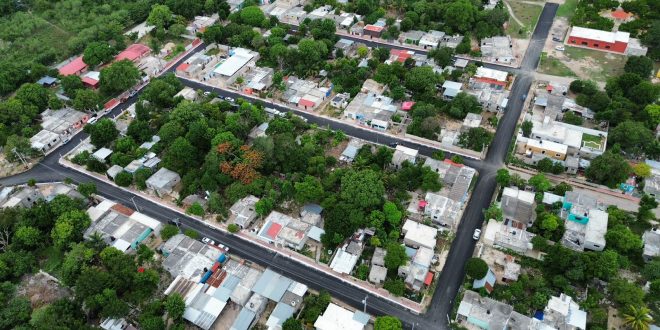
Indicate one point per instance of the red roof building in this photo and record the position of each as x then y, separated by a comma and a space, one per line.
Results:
77, 66
597, 39
400, 55
621, 15
373, 30
406, 106
110, 104
428, 279
306, 103
133, 53
274, 230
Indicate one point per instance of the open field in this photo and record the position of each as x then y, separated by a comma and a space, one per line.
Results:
567, 9
594, 64
527, 13
553, 66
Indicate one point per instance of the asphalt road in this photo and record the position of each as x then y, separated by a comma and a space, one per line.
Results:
48, 170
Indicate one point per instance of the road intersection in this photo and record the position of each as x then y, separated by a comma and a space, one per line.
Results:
437, 315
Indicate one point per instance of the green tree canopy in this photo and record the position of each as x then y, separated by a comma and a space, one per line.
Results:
396, 256
387, 323
118, 77
97, 52
476, 268
609, 169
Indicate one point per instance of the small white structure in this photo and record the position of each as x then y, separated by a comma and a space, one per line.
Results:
336, 317
243, 211
162, 182
102, 154
402, 154
651, 239
564, 313
418, 235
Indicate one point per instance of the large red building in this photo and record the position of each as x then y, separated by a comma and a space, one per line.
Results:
597, 39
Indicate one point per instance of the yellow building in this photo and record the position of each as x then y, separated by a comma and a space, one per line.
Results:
550, 149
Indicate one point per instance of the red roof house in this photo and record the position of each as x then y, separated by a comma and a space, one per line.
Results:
373, 30
77, 66
406, 106
306, 103
400, 55
133, 52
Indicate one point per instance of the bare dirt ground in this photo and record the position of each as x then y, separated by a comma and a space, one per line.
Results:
8, 168
42, 289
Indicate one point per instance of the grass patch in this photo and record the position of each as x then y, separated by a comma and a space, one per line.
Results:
515, 30
606, 64
567, 9
527, 13
50, 259
592, 141
555, 67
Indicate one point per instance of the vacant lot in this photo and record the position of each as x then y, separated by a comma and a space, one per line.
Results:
553, 66
594, 64
567, 9
526, 13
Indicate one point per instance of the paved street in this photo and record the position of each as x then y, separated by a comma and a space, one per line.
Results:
49, 170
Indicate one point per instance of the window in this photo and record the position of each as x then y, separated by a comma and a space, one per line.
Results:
584, 43
557, 155
607, 47
573, 41
543, 152
596, 45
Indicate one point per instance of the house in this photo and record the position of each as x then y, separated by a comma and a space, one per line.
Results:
598, 39
651, 239
497, 49
335, 317
373, 30
200, 24
272, 285
508, 234
451, 41
257, 79
371, 109
76, 67
585, 230
539, 149
57, 125
116, 324
273, 224
479, 312
487, 282
399, 55
652, 184
411, 37
102, 154
461, 184
187, 93
306, 94
450, 89
461, 63
351, 151
471, 120
403, 154
113, 171
204, 303
416, 272
440, 209
580, 141
133, 53
378, 272
347, 47
162, 182
258, 131
419, 235
564, 313
119, 226
320, 12
492, 77
92, 79
189, 257
431, 39
25, 197
348, 254
47, 81
340, 101
518, 205
233, 66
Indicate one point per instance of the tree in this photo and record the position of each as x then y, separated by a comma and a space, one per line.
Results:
71, 84
118, 77
493, 212
233, 228
97, 52
476, 138
392, 214
16, 312
179, 156
545, 165
387, 323
460, 15
476, 268
363, 188
641, 65
540, 183
292, 324
34, 95
252, 16
526, 128
396, 286
625, 293
109, 304
572, 118
632, 136
309, 190
503, 177
124, 179
175, 306
421, 79
160, 16
395, 256
86, 100
463, 104
168, 232
550, 222
196, 209
609, 169
622, 239
562, 188
27, 237
637, 317
102, 133
69, 228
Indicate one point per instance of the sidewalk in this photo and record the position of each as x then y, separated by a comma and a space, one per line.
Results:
382, 293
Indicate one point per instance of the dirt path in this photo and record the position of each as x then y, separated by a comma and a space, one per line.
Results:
508, 7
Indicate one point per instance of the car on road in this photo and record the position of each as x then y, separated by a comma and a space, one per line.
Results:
132, 93
207, 241
220, 97
230, 99
560, 48
66, 140
394, 144
224, 247
477, 233
92, 120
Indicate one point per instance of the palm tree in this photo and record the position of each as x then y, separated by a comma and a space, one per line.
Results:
637, 318
96, 241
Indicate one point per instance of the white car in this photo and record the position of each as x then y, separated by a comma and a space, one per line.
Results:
208, 241
91, 120
230, 99
477, 233
66, 140
224, 247
560, 48
207, 93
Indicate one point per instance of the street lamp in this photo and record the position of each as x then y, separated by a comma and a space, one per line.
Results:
365, 303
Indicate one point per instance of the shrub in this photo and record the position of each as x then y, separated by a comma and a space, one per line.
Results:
476, 268
124, 179
233, 228
168, 232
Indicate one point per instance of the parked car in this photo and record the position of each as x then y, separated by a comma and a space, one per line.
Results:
224, 247
394, 144
477, 233
66, 140
91, 120
560, 48
230, 99
132, 93
208, 240
207, 93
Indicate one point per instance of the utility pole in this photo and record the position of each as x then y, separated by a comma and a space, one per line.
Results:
365, 303
20, 157
135, 204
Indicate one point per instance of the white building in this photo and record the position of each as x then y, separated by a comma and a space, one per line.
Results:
402, 154
651, 239
419, 235
336, 318
564, 313
163, 182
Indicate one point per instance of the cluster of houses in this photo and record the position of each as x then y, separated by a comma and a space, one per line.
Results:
57, 126
571, 145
